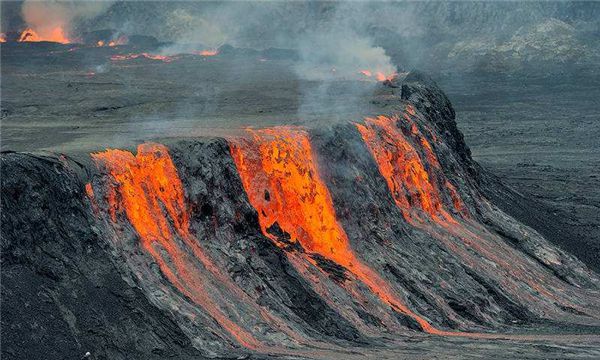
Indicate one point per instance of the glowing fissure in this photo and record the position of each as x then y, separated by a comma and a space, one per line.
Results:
163, 58
282, 181
147, 189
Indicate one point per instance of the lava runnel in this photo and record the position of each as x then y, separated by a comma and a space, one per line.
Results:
403, 168
146, 186
279, 162
415, 188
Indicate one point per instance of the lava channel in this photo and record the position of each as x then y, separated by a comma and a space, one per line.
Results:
144, 185
413, 184
280, 176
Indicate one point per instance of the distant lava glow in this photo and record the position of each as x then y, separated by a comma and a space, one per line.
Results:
282, 181
56, 34
408, 164
206, 52
147, 189
163, 58
378, 75
121, 40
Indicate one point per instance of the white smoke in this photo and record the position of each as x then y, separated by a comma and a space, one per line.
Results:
341, 55
45, 16
340, 48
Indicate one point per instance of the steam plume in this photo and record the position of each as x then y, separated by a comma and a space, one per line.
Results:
45, 17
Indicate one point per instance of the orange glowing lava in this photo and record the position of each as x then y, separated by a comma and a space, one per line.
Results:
163, 58
378, 75
206, 52
89, 190
55, 35
402, 167
408, 164
280, 176
2, 37
147, 189
121, 40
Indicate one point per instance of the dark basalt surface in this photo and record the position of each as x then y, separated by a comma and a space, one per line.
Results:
75, 281
64, 290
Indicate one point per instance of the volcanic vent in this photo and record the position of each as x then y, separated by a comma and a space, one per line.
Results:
284, 241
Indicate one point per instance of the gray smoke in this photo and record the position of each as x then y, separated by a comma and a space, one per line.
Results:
45, 16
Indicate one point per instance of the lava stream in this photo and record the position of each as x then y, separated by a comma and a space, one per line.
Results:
144, 185
410, 179
401, 166
282, 181
163, 58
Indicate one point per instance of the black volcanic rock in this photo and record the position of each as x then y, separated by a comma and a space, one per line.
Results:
64, 292
419, 89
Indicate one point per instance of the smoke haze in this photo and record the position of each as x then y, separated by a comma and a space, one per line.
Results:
45, 16
456, 36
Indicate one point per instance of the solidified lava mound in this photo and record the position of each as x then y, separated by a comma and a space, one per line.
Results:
285, 241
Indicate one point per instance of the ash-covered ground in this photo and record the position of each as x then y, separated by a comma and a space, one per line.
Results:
539, 134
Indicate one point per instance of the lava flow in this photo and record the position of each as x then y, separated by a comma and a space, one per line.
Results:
403, 169
163, 58
147, 189
282, 181
407, 162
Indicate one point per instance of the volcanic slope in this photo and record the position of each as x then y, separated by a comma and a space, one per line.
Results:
368, 237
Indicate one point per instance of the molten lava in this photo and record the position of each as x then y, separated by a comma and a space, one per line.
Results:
406, 161
296, 198
121, 40
403, 168
378, 75
2, 37
206, 52
147, 189
163, 58
57, 34
280, 176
